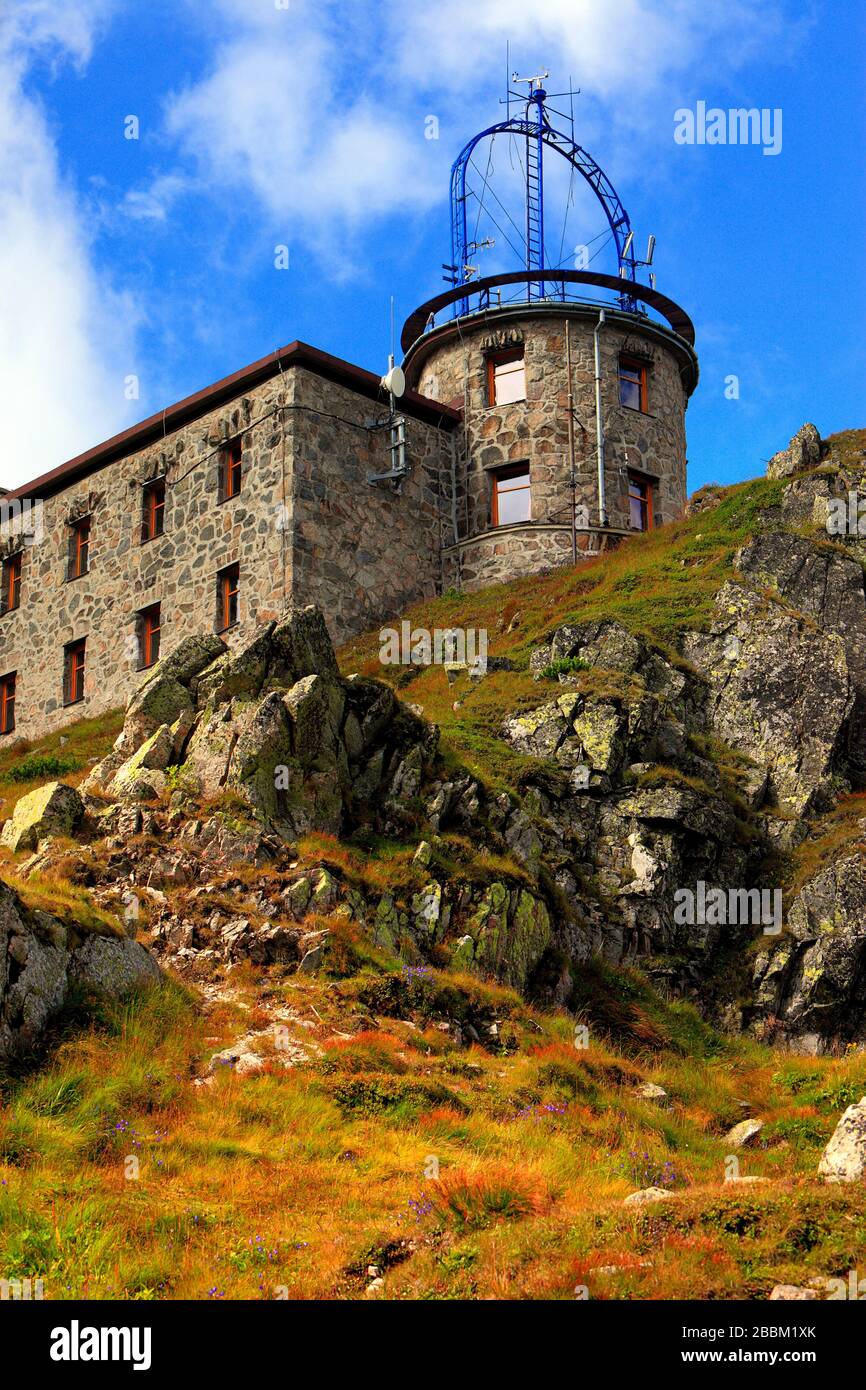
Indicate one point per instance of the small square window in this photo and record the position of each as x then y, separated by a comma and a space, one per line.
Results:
640, 502
632, 384
153, 510
228, 589
149, 628
506, 377
73, 671
231, 471
511, 501
7, 702
79, 548
11, 597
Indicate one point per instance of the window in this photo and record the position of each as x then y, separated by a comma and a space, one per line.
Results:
632, 384
11, 583
79, 548
149, 628
7, 703
640, 502
73, 672
228, 582
231, 470
506, 377
153, 510
511, 500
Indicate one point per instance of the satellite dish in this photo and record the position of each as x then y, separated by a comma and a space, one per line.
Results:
395, 381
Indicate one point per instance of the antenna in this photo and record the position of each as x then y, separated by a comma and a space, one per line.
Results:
627, 244
650, 250
536, 83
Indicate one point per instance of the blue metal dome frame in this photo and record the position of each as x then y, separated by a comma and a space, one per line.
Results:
536, 128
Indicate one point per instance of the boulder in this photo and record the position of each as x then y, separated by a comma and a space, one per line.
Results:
54, 809
844, 1159
647, 1194
746, 1132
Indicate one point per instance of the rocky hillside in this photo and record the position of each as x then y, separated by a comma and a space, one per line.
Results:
385, 880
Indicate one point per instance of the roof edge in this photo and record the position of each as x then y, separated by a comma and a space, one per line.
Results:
174, 417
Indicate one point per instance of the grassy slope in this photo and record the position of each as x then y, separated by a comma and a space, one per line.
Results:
67, 755
296, 1181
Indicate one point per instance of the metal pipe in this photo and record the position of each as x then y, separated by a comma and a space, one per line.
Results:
571, 442
599, 424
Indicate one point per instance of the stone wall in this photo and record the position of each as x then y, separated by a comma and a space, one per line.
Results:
453, 369
363, 552
511, 552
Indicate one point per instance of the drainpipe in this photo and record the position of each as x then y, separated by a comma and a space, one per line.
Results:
454, 525
571, 443
599, 425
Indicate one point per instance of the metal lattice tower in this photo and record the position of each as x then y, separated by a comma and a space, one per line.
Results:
534, 126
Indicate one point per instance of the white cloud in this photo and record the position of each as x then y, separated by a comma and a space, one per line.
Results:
65, 338
616, 49
275, 115
317, 110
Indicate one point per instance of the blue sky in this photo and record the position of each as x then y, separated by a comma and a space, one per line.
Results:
265, 123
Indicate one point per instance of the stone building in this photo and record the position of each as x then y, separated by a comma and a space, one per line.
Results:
517, 436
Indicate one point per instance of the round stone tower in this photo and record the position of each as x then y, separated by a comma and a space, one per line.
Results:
573, 386
536, 483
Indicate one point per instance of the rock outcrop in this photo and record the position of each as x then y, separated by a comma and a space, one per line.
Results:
646, 775
42, 958
273, 724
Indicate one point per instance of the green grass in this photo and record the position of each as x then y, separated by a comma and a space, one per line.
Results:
462, 1173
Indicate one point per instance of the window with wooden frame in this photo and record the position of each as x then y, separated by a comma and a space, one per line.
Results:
153, 510
7, 702
506, 377
510, 501
11, 595
632, 384
231, 471
73, 671
640, 502
228, 587
79, 548
149, 628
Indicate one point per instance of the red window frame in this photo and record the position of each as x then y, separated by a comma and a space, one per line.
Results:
79, 550
150, 627
75, 661
507, 475
153, 510
11, 583
7, 702
228, 590
634, 372
502, 359
640, 491
232, 471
